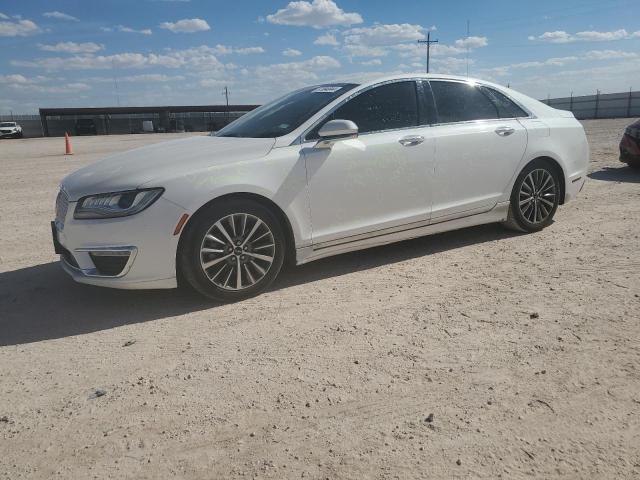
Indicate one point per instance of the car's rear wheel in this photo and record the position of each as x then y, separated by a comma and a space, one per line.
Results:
232, 250
535, 197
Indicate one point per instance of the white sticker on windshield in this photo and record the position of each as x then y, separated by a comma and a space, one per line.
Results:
326, 89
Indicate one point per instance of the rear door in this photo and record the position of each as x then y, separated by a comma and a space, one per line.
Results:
479, 145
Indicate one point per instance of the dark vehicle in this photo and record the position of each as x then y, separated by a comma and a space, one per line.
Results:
630, 145
86, 126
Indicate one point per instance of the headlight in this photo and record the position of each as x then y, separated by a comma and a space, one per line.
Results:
117, 204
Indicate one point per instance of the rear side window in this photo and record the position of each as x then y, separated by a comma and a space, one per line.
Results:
461, 102
506, 107
387, 107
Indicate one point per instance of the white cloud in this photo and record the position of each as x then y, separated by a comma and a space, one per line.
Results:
213, 82
593, 55
380, 39
19, 28
295, 73
197, 58
248, 50
14, 78
608, 54
613, 77
551, 62
62, 88
226, 50
3, 16
187, 25
364, 51
149, 78
316, 14
291, 52
327, 39
560, 36
445, 65
602, 36
72, 47
60, 16
472, 42
124, 29
408, 50
369, 63
380, 35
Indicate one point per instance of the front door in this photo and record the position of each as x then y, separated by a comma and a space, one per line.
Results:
380, 180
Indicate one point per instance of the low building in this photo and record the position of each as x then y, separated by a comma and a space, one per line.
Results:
123, 120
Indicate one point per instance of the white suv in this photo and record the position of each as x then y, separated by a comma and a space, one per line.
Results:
10, 129
321, 171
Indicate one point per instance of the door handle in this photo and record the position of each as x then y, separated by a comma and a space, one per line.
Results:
411, 140
505, 131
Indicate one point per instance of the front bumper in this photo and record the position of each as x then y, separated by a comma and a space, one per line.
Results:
146, 242
9, 134
630, 150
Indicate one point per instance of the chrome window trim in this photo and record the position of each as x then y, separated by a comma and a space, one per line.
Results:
301, 139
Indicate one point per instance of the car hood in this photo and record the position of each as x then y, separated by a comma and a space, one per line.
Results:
633, 130
131, 169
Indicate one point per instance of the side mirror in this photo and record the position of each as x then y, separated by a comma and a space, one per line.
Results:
335, 130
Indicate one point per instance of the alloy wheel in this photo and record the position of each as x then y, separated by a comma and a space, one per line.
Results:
537, 197
237, 251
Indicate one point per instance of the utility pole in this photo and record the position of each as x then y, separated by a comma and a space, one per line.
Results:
428, 42
115, 81
467, 48
225, 92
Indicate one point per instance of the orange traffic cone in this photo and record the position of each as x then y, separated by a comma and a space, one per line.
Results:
68, 150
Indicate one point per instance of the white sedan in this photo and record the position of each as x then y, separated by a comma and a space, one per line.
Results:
321, 171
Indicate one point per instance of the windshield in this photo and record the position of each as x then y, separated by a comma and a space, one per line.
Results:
7, 124
285, 114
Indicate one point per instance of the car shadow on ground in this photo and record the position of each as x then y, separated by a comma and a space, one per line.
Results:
41, 302
617, 174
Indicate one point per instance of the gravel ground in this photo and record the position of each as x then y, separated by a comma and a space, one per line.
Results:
477, 353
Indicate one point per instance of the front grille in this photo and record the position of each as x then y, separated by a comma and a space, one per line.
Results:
62, 205
109, 264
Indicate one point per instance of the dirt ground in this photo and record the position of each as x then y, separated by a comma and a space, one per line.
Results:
477, 353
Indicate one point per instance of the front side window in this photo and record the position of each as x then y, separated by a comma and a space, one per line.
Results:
387, 107
285, 114
462, 102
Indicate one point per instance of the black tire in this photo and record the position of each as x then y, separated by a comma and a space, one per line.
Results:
191, 261
538, 212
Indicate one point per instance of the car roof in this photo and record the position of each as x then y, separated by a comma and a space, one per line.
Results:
422, 75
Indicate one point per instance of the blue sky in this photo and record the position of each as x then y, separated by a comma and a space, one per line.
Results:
68, 53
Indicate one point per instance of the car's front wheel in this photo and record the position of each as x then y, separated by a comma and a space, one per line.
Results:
535, 197
232, 250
